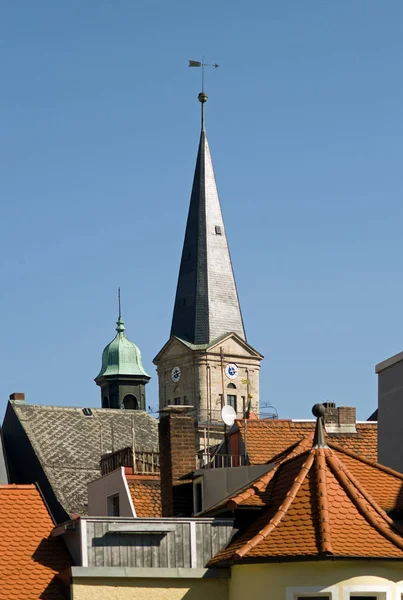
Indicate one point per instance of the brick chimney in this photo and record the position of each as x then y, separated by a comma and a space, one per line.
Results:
18, 396
177, 441
340, 419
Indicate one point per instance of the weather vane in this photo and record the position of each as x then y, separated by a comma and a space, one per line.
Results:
202, 64
120, 312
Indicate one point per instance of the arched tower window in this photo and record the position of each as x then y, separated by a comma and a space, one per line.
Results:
130, 402
232, 386
105, 402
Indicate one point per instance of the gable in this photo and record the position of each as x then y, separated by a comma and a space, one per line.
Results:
173, 349
233, 345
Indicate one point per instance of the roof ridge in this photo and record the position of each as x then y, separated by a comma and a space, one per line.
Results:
18, 486
306, 440
363, 491
264, 479
366, 461
354, 490
282, 510
323, 505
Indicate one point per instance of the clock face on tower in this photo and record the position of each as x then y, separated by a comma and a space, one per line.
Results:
175, 374
231, 371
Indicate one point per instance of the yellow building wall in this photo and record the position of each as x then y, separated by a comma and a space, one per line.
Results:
286, 581
147, 589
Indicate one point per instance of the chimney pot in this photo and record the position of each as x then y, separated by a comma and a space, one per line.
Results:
18, 396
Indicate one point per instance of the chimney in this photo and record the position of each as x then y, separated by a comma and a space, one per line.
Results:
177, 440
390, 412
18, 396
346, 415
339, 419
330, 413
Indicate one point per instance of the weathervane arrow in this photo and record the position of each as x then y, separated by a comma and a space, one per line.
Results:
202, 64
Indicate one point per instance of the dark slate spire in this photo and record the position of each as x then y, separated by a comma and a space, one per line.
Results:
206, 303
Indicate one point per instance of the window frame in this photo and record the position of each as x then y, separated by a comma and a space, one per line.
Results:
198, 483
296, 592
233, 398
110, 503
382, 592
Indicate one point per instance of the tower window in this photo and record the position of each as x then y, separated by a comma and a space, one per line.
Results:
231, 401
231, 386
218, 230
130, 402
105, 402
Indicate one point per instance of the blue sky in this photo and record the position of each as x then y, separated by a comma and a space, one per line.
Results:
100, 124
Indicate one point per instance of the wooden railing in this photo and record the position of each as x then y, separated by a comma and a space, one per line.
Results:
219, 461
145, 461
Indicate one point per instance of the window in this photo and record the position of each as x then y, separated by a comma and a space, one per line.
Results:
231, 386
105, 402
197, 496
218, 230
313, 593
367, 592
231, 400
177, 401
318, 597
130, 402
113, 505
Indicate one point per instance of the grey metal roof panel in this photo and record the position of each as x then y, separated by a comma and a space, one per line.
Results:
69, 444
206, 303
3, 464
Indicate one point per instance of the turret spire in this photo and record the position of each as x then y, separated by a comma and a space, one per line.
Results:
120, 323
206, 303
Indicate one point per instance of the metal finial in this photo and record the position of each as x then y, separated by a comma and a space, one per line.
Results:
202, 96
319, 438
120, 323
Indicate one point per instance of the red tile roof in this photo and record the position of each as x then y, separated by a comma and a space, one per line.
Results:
383, 483
268, 438
29, 559
322, 502
146, 495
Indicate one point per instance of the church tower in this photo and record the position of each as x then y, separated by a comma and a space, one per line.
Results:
122, 377
207, 361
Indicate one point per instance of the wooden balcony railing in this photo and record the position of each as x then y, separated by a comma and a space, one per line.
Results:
145, 462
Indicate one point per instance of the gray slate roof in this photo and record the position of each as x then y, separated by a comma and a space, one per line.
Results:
206, 303
69, 444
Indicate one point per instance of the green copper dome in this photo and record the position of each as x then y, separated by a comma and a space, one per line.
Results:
121, 356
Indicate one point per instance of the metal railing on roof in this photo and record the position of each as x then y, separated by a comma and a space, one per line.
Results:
220, 461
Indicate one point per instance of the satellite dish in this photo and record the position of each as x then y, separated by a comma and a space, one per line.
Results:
228, 415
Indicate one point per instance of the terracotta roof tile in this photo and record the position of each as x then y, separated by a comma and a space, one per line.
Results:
317, 506
29, 559
146, 495
268, 438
